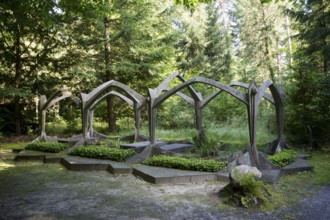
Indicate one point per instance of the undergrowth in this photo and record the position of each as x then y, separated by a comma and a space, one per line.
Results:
290, 189
100, 152
250, 193
52, 147
283, 158
185, 163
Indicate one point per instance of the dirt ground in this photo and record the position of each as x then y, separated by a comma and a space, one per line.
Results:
31, 190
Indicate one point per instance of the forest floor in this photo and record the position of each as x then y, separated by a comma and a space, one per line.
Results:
31, 190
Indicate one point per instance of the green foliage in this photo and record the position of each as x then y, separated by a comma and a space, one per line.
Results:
112, 143
27, 61
252, 190
308, 105
251, 193
218, 50
173, 134
185, 164
283, 158
148, 40
176, 110
105, 153
211, 143
52, 147
191, 46
190, 3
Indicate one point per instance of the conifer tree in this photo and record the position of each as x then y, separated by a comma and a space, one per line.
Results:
218, 48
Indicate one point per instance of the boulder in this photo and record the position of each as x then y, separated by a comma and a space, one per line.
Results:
236, 174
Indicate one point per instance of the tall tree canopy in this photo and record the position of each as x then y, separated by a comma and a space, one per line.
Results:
30, 45
46, 44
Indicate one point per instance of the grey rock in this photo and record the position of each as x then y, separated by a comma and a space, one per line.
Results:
237, 174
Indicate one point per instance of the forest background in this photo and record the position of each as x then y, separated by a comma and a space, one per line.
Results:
50, 44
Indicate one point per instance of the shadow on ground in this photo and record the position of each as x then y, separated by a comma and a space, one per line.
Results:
30, 190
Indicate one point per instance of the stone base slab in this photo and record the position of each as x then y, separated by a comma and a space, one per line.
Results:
156, 175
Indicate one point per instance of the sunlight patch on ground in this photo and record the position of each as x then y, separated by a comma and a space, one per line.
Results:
4, 165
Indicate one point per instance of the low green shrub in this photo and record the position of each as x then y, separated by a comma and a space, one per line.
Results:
209, 147
52, 147
283, 158
251, 193
105, 153
185, 163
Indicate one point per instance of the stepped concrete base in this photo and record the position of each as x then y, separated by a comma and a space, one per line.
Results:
157, 175
139, 146
298, 166
52, 159
177, 148
304, 156
78, 163
160, 175
271, 176
85, 164
17, 150
24, 155
223, 176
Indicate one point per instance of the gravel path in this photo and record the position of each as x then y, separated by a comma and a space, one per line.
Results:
48, 191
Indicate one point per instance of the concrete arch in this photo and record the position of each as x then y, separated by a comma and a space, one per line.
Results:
276, 98
234, 92
251, 98
45, 104
279, 106
90, 101
137, 113
163, 87
155, 99
112, 93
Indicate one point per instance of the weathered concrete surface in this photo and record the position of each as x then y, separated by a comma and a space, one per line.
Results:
24, 155
160, 175
77, 163
87, 164
177, 148
297, 166
304, 156
139, 146
271, 176
52, 159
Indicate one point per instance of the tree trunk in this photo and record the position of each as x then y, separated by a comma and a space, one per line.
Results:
288, 32
326, 61
110, 107
18, 118
18, 73
268, 54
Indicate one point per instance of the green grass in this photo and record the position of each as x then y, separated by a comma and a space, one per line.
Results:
172, 135
321, 163
290, 189
10, 146
234, 131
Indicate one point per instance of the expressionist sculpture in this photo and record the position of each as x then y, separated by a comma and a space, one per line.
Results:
90, 101
251, 98
45, 104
